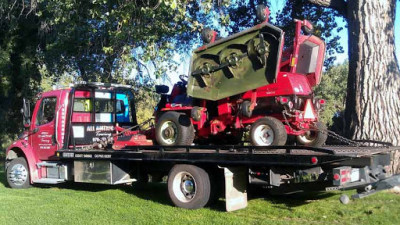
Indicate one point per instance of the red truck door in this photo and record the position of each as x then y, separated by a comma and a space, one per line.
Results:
43, 139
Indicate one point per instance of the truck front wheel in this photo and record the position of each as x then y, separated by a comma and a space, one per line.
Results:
268, 131
18, 173
174, 128
189, 186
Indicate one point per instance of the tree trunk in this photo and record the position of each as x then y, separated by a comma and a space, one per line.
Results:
372, 107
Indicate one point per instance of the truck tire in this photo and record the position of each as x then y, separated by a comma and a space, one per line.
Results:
18, 174
174, 129
268, 131
189, 186
314, 138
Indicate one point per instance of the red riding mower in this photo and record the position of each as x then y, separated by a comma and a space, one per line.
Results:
247, 82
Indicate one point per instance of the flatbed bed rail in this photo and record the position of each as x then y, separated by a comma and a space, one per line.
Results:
234, 155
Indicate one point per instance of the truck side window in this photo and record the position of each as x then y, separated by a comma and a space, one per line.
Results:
46, 111
125, 108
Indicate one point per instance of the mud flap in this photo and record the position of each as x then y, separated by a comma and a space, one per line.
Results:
235, 188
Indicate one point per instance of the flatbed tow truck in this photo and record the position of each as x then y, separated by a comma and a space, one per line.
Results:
246, 82
66, 141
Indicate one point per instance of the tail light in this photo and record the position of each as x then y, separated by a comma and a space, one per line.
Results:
314, 160
285, 101
341, 175
319, 103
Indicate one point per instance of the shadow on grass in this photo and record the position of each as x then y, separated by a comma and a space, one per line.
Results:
289, 200
158, 192
155, 192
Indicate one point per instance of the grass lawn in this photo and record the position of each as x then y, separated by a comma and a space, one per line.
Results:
149, 204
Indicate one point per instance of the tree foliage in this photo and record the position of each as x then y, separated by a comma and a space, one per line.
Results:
333, 89
19, 74
97, 39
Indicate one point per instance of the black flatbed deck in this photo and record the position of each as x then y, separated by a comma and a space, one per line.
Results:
236, 155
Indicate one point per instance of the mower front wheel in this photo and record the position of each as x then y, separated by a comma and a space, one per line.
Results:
174, 128
268, 131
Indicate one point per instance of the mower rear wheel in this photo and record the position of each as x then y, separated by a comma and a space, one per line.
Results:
268, 131
174, 128
314, 138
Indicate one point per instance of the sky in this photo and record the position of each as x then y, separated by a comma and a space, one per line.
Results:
340, 58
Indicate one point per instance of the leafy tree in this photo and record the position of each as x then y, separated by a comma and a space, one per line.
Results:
19, 75
97, 39
333, 89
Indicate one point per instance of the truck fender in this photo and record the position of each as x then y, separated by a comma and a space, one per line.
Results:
21, 148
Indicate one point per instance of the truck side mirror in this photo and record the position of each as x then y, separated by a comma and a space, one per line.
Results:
26, 112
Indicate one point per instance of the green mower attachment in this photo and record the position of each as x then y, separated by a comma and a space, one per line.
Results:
236, 64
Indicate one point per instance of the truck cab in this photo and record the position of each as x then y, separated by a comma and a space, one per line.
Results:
84, 116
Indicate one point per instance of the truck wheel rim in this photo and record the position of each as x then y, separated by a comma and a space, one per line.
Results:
263, 135
308, 137
18, 174
184, 187
169, 132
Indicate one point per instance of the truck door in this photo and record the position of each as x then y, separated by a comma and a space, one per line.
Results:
43, 140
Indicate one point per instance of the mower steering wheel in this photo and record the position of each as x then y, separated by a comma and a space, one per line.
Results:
183, 78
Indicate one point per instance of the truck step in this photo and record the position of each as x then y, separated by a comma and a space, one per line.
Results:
48, 164
48, 181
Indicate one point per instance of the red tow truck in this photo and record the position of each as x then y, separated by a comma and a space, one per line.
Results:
88, 133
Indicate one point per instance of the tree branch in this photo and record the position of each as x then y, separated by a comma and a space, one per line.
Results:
338, 5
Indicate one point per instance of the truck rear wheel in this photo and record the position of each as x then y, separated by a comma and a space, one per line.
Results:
174, 129
189, 186
268, 131
314, 138
18, 174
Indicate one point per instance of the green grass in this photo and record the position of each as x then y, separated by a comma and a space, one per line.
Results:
149, 204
